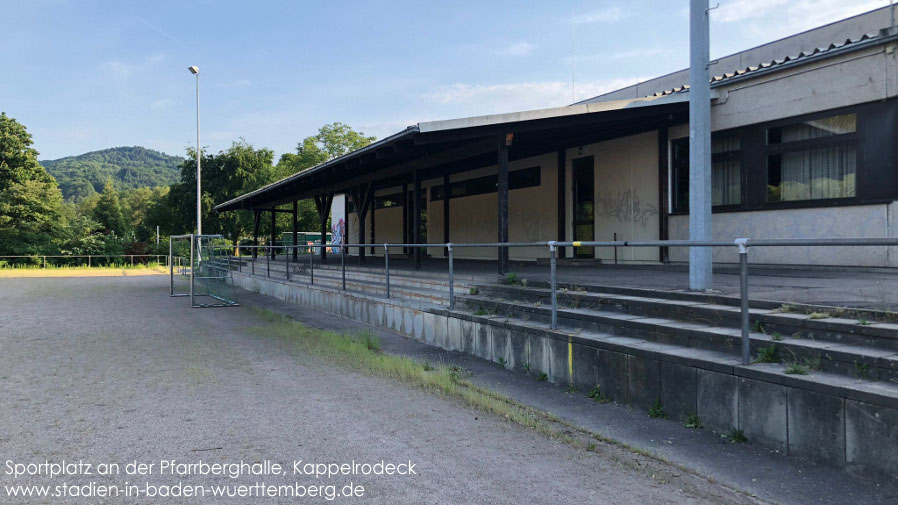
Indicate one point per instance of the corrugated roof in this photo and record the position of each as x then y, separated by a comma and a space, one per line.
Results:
802, 57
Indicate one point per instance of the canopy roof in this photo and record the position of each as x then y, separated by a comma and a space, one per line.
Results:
435, 148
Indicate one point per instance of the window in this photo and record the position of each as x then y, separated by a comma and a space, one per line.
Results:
812, 160
517, 179
726, 171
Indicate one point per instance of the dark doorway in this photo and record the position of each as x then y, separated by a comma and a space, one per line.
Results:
584, 209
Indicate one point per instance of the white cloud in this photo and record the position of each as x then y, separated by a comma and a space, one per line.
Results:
493, 98
162, 103
517, 49
606, 15
790, 15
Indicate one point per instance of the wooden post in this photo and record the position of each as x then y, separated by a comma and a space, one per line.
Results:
405, 217
502, 199
256, 223
446, 213
371, 197
416, 219
562, 199
295, 237
273, 226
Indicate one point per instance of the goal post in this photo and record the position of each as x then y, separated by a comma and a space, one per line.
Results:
200, 267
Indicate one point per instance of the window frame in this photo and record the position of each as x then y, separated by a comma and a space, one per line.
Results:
675, 208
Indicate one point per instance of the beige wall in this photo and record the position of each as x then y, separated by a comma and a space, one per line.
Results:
626, 194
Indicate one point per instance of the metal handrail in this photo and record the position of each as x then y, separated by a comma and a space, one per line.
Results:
742, 245
90, 257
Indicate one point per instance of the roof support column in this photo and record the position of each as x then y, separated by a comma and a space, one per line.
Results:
295, 237
257, 220
562, 197
405, 216
699, 146
360, 196
446, 197
323, 206
273, 231
416, 218
371, 197
502, 199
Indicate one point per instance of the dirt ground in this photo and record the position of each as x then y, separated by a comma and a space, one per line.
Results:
112, 370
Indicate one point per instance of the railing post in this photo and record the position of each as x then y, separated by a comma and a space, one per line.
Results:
268, 260
287, 262
552, 281
44, 262
253, 264
742, 244
192, 247
387, 267
171, 270
132, 260
88, 261
451, 275
343, 264
311, 266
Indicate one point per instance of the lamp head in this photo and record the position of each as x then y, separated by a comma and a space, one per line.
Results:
194, 70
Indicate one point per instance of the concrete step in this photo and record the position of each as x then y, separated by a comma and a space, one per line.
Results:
884, 393
781, 321
855, 361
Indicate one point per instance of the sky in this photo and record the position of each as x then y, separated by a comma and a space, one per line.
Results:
86, 75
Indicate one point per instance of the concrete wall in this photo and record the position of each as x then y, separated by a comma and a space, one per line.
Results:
867, 221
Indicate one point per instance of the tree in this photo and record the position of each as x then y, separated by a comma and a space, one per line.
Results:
331, 141
18, 160
226, 175
108, 211
31, 219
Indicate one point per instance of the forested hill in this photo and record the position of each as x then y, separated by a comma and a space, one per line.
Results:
129, 167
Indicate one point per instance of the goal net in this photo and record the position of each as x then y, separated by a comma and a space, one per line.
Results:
200, 267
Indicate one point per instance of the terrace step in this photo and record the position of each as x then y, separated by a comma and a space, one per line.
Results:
801, 321
856, 361
825, 382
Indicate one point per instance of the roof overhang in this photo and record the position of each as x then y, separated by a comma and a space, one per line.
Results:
435, 148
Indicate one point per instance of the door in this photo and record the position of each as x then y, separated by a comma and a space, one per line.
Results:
584, 209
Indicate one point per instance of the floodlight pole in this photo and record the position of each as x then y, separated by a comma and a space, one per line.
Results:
699, 145
199, 201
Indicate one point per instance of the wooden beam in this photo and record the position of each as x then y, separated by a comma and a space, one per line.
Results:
405, 216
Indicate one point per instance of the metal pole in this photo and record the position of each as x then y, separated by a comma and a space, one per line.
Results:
451, 255
287, 261
268, 260
343, 264
191, 270
387, 267
742, 243
88, 260
199, 203
552, 264
311, 265
171, 270
699, 146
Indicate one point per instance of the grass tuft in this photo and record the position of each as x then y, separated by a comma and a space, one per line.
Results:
693, 422
657, 411
597, 395
767, 355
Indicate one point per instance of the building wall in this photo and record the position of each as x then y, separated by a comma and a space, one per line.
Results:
864, 221
626, 194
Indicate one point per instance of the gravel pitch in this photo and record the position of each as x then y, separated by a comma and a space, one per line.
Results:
112, 370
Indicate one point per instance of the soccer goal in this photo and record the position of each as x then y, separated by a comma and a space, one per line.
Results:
200, 267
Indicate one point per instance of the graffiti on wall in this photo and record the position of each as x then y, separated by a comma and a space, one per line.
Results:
338, 231
626, 207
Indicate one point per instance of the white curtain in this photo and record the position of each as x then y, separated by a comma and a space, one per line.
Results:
827, 172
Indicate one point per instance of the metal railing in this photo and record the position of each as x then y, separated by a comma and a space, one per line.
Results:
41, 259
742, 246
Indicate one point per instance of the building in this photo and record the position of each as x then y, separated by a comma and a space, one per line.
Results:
803, 145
